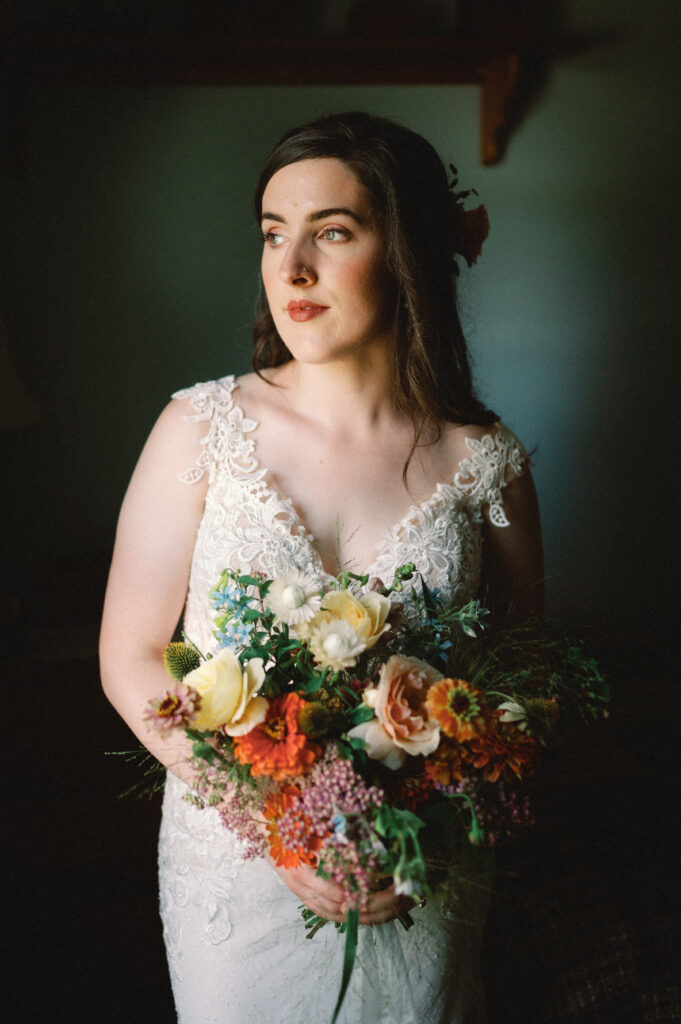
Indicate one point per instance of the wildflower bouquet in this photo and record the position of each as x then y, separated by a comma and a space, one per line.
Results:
334, 729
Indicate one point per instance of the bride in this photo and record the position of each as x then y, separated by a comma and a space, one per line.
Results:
358, 444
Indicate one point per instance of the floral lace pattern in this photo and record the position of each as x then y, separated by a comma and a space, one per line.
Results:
236, 946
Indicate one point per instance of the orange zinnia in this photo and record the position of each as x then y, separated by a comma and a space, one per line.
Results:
277, 747
458, 708
446, 765
284, 856
503, 750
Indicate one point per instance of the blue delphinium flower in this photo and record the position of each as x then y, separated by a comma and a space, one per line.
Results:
340, 825
228, 597
235, 635
441, 645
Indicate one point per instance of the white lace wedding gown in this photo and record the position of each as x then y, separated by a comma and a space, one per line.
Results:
236, 946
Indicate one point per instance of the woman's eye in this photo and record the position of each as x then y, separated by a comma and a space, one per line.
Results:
272, 239
334, 234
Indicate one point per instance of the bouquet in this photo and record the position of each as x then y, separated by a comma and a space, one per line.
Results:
367, 730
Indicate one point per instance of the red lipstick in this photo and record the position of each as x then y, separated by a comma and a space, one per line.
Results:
302, 309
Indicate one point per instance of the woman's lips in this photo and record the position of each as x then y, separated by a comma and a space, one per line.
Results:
300, 310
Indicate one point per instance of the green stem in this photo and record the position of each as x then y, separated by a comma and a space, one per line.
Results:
351, 936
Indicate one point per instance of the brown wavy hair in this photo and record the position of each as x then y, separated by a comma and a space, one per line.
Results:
414, 210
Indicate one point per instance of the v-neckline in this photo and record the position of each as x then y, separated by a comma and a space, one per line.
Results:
269, 492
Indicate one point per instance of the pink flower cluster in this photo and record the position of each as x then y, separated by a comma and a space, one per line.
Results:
237, 804
237, 814
335, 806
501, 810
333, 787
353, 871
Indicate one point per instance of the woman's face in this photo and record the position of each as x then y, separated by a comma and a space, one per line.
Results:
323, 263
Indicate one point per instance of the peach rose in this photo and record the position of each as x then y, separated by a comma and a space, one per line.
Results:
401, 725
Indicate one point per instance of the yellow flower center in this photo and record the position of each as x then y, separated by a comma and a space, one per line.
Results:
275, 729
168, 706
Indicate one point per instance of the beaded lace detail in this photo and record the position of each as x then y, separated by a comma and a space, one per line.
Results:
234, 938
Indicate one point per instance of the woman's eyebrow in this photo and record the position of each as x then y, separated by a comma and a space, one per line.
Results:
317, 215
333, 211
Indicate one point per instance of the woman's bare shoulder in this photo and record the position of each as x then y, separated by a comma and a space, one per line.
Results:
261, 395
458, 441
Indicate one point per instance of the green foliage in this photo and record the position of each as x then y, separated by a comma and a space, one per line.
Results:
153, 773
349, 954
362, 713
399, 830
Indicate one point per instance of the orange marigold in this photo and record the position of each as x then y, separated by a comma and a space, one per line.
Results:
275, 805
458, 708
503, 750
277, 747
446, 765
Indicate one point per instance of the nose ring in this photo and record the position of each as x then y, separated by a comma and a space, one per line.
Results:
306, 269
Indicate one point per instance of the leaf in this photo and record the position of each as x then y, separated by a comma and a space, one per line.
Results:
289, 645
249, 581
349, 955
360, 714
312, 685
429, 600
254, 652
250, 615
204, 752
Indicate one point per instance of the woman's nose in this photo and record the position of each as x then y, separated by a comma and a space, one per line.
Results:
294, 269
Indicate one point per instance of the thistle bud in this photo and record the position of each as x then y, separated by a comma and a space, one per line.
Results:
180, 659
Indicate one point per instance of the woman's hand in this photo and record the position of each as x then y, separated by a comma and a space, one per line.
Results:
327, 899
318, 894
385, 906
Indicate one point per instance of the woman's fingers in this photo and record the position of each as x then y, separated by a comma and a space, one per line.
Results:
320, 895
328, 900
385, 906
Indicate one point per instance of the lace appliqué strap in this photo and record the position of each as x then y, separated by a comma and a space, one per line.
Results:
494, 457
225, 444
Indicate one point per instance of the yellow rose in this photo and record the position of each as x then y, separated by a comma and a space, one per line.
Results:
229, 693
366, 614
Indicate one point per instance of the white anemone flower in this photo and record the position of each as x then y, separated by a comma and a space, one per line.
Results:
294, 597
513, 712
335, 645
405, 886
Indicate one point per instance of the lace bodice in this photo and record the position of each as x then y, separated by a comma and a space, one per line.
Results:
248, 525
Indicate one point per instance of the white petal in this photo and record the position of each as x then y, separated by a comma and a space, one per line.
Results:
379, 746
423, 742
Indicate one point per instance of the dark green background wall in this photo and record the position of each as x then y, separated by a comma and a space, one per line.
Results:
129, 266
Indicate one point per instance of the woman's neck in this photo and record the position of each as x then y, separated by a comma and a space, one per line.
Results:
358, 391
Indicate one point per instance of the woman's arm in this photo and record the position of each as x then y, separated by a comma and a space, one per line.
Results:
144, 600
512, 561
148, 578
